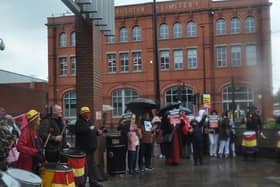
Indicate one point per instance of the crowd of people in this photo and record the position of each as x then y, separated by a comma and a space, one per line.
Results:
41, 140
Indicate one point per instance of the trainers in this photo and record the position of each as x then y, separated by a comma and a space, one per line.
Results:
149, 169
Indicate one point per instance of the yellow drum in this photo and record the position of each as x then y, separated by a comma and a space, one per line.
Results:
249, 141
57, 175
278, 141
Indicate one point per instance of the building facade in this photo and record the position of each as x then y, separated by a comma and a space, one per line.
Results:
219, 48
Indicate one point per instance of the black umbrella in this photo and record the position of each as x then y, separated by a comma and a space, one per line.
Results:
168, 107
140, 105
186, 110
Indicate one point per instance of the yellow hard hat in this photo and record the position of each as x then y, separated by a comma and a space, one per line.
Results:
32, 115
84, 109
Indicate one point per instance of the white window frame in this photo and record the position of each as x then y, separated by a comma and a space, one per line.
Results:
123, 34
63, 66
136, 33
220, 27
250, 24
164, 60
234, 25
137, 61
124, 62
111, 61
177, 30
191, 29
221, 56
192, 58
62, 40
236, 55
163, 31
251, 54
73, 65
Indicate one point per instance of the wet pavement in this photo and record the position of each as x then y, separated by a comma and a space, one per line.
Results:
231, 172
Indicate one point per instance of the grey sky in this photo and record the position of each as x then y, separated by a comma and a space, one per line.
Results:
22, 27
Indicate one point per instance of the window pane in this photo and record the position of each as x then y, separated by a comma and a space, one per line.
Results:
63, 66
111, 60
70, 101
136, 33
123, 35
177, 30
163, 31
236, 55
250, 24
62, 40
191, 29
73, 65
220, 27
124, 62
221, 56
111, 39
73, 39
137, 61
178, 59
235, 25
251, 58
120, 98
180, 93
192, 58
164, 60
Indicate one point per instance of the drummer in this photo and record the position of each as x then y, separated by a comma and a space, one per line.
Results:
30, 144
253, 121
86, 141
52, 133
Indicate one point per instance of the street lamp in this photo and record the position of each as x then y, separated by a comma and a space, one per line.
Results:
156, 66
203, 59
2, 45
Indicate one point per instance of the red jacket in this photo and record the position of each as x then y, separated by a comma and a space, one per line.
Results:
26, 147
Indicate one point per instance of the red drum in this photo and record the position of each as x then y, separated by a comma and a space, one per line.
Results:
77, 160
249, 142
57, 175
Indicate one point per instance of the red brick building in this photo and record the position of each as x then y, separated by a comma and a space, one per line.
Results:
20, 93
221, 48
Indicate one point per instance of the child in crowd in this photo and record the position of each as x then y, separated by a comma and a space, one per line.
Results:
133, 143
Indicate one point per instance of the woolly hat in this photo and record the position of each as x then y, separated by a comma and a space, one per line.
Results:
84, 109
32, 114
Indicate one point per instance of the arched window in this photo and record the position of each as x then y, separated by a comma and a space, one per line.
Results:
62, 40
191, 29
69, 104
163, 31
136, 33
177, 30
220, 27
240, 95
73, 39
234, 25
182, 93
120, 97
123, 35
250, 24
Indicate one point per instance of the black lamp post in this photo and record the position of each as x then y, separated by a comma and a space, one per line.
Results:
203, 59
156, 66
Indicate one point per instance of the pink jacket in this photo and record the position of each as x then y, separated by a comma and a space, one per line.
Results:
132, 138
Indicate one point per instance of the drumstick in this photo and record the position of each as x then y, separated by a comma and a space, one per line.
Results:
48, 137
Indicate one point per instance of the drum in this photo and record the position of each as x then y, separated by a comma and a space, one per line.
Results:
54, 174
249, 142
278, 141
7, 180
25, 178
77, 160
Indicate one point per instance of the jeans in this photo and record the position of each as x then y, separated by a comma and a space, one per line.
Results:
132, 156
224, 147
213, 140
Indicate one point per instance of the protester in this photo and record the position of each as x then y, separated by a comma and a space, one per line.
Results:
197, 140
213, 133
232, 137
30, 144
2, 113
133, 143
86, 141
146, 142
51, 131
224, 136
6, 142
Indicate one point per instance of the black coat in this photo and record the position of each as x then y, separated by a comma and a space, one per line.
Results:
44, 130
86, 138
